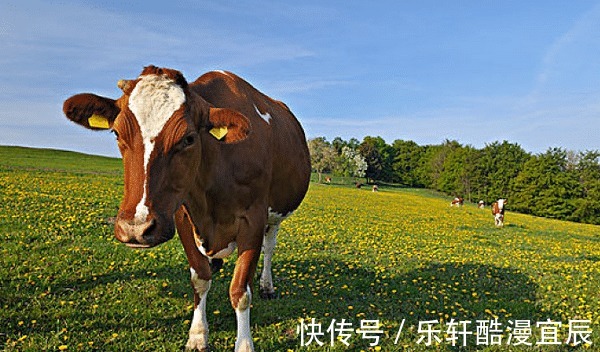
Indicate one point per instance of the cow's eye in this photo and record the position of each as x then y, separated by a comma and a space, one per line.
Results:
188, 140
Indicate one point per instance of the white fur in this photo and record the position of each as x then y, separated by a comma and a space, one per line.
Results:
199, 329
276, 218
223, 253
499, 218
222, 72
243, 342
501, 204
153, 101
266, 116
268, 248
269, 243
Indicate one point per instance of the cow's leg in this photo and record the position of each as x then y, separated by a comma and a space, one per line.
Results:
198, 338
266, 278
249, 241
240, 294
200, 278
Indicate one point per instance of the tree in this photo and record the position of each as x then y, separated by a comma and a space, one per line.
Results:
356, 164
500, 164
588, 171
407, 158
322, 155
433, 163
338, 143
545, 186
379, 157
460, 176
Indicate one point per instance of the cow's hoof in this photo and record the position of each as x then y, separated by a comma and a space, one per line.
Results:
264, 294
244, 346
197, 343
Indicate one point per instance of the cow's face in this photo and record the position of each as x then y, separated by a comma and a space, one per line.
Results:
502, 203
160, 127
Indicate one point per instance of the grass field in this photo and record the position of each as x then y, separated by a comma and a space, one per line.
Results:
387, 260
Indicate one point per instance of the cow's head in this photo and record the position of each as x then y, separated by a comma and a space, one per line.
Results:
161, 127
502, 202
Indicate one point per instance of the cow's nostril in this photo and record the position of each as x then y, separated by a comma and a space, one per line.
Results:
133, 232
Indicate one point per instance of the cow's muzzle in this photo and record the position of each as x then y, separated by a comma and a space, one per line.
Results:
135, 234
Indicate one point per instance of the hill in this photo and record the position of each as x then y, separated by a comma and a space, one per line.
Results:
57, 160
390, 261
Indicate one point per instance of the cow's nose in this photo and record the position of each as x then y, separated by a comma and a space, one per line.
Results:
132, 232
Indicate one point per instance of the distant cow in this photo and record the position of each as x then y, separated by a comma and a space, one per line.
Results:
498, 211
375, 188
328, 179
457, 202
216, 159
481, 204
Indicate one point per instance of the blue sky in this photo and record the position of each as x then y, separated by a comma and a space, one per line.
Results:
476, 71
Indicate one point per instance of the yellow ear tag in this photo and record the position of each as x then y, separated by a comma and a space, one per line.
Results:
98, 121
218, 132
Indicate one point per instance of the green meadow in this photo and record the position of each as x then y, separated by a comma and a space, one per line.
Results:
354, 270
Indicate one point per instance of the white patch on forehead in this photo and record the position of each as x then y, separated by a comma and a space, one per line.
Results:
153, 101
266, 116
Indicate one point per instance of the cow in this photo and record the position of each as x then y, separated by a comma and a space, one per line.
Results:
498, 212
481, 204
457, 202
215, 159
375, 188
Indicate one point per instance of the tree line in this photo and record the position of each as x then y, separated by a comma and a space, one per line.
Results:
558, 183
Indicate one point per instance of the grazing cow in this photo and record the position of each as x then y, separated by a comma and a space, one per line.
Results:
498, 212
327, 179
216, 159
481, 204
375, 188
457, 202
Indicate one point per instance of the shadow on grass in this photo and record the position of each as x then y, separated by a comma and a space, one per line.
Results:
328, 289
324, 289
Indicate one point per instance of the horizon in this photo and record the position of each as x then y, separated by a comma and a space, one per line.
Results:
476, 73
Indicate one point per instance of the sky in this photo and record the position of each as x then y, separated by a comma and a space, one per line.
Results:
474, 71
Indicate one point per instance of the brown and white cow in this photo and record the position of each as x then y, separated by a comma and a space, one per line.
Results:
215, 159
498, 211
457, 202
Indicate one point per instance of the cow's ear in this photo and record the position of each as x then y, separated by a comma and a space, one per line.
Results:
228, 125
91, 111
